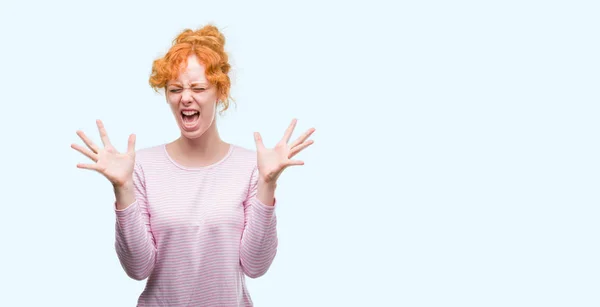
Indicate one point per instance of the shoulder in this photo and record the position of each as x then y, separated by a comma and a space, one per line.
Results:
244, 163
242, 157
243, 152
149, 154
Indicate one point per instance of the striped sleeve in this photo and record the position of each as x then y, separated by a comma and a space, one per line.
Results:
134, 242
259, 238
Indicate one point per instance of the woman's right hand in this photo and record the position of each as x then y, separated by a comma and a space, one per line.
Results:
116, 167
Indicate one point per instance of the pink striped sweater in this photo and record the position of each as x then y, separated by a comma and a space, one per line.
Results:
195, 233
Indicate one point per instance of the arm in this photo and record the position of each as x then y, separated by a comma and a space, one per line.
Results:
259, 238
134, 242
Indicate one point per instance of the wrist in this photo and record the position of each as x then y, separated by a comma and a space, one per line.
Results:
124, 194
269, 185
266, 192
123, 187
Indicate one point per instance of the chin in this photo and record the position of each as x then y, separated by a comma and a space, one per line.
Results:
193, 134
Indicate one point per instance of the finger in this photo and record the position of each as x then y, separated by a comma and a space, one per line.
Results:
258, 141
131, 144
87, 141
295, 162
85, 151
303, 137
88, 166
103, 134
288, 132
294, 151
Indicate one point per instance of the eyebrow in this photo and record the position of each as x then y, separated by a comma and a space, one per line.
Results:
193, 84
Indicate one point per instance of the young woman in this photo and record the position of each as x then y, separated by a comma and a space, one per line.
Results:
197, 215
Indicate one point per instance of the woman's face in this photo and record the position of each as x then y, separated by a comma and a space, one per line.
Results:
193, 99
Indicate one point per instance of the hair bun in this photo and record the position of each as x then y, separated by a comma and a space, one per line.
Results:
208, 35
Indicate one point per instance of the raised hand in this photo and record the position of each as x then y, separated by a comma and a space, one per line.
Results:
116, 167
272, 161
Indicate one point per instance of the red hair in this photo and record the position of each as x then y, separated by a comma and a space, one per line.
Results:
207, 43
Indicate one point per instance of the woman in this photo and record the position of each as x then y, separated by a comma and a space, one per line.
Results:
196, 215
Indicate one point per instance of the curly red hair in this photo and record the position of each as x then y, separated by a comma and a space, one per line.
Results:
207, 43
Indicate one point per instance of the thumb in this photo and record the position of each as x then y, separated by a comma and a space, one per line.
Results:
131, 144
258, 141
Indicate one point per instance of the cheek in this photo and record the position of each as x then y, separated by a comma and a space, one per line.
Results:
208, 111
207, 104
172, 100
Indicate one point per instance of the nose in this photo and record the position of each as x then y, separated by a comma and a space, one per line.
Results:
186, 96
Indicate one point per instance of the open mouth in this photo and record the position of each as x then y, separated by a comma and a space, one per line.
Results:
190, 118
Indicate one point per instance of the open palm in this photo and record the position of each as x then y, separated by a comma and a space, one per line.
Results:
272, 161
115, 166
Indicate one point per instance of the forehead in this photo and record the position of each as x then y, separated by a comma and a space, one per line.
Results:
191, 71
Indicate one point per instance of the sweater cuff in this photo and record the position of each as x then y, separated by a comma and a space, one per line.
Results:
265, 206
127, 213
263, 210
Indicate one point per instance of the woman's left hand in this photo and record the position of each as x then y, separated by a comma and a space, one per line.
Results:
272, 161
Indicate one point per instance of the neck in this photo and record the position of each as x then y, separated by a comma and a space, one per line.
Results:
206, 146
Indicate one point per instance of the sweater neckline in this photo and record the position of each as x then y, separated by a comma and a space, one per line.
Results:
197, 168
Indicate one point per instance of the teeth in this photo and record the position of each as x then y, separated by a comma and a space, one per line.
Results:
189, 113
